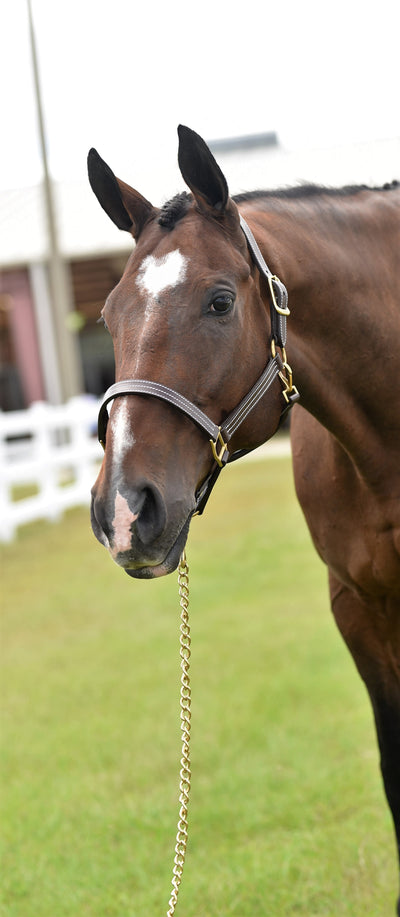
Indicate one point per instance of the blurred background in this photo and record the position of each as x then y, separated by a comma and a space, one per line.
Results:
283, 92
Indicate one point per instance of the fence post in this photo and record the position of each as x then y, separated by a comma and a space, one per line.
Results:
43, 446
7, 527
80, 410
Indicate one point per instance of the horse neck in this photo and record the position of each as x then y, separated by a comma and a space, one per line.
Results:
337, 257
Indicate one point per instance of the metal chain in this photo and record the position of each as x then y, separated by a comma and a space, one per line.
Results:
185, 701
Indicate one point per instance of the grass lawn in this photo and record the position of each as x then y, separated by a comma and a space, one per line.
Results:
287, 813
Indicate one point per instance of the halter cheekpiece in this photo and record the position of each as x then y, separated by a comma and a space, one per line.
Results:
221, 435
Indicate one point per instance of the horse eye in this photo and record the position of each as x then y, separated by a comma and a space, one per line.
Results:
102, 321
222, 304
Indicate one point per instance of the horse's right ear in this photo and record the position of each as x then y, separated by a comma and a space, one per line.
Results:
125, 206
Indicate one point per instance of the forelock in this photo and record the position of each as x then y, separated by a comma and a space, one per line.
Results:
174, 210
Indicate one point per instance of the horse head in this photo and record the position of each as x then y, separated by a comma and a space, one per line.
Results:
189, 314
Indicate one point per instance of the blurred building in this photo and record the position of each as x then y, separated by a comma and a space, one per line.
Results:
94, 253
92, 262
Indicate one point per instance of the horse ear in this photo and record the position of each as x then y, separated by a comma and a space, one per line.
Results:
200, 171
125, 206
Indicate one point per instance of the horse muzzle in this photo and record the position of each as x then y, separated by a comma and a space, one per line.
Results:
141, 534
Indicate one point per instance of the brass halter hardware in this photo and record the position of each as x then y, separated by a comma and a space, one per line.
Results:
289, 391
223, 448
273, 279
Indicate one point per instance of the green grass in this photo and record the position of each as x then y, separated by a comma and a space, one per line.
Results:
287, 812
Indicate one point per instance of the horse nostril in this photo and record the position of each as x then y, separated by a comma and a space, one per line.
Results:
99, 521
152, 517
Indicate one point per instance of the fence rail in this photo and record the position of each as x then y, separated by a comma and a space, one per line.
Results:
52, 450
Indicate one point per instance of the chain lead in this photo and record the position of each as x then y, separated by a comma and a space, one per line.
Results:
185, 701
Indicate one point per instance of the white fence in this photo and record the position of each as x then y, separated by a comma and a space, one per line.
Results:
52, 450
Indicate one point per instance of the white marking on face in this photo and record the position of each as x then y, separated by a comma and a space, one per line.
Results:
123, 519
122, 437
157, 274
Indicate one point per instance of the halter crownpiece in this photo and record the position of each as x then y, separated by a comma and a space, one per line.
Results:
221, 435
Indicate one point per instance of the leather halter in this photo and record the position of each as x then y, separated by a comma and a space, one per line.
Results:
221, 435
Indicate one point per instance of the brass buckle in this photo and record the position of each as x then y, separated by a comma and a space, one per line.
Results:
271, 279
219, 442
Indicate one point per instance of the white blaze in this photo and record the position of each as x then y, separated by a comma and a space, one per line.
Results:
157, 274
123, 518
122, 436
122, 441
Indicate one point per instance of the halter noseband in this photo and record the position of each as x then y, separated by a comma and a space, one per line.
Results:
221, 435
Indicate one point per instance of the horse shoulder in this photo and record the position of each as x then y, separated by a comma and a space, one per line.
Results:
355, 530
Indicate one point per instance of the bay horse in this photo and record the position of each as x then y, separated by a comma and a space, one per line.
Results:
199, 322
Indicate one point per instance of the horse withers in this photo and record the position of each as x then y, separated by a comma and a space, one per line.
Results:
198, 322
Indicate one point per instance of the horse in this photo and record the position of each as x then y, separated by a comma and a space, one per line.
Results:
199, 322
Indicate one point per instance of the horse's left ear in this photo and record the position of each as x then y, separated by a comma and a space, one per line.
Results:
201, 172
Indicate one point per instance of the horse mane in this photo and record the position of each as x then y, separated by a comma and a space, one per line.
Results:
176, 208
303, 191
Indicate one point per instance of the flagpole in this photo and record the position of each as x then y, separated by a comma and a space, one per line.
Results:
70, 371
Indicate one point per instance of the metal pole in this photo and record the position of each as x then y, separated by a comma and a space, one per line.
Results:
67, 351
